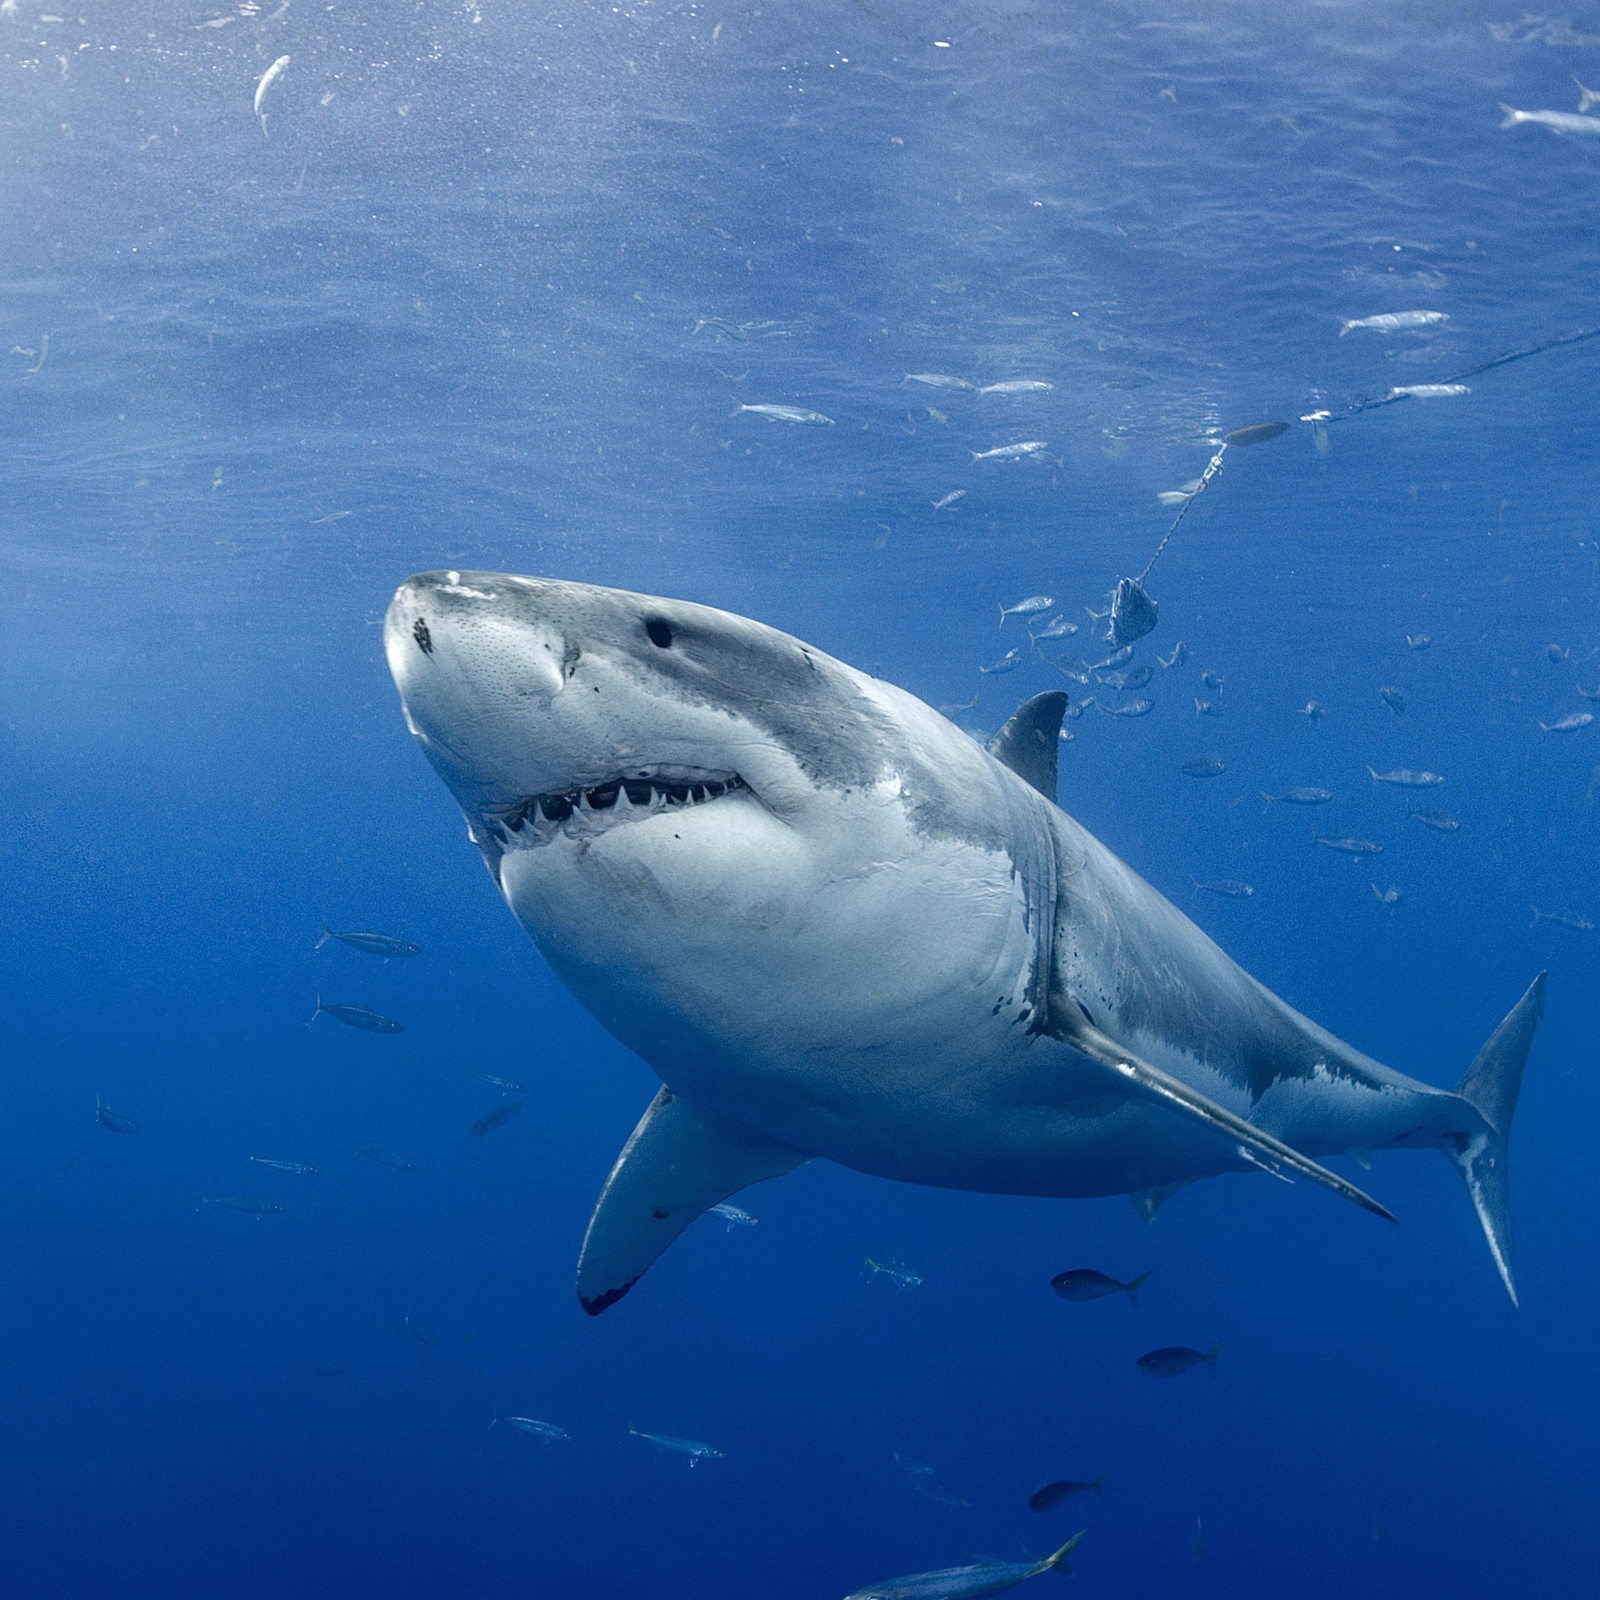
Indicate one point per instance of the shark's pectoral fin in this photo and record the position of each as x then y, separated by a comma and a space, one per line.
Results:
675, 1165
1252, 1145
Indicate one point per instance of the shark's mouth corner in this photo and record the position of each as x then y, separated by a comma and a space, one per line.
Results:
583, 812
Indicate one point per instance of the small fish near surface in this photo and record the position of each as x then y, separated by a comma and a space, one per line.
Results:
1232, 888
113, 1121
1419, 641
674, 1445
1392, 896
1012, 452
1055, 628
1349, 847
1568, 724
945, 1497
1207, 708
969, 1582
1009, 662
900, 1276
1128, 679
510, 1085
1567, 919
1051, 1495
1303, 794
358, 1017
1440, 821
386, 1158
1428, 391
1204, 767
1555, 121
795, 414
936, 380
373, 944
1392, 698
496, 1117
300, 1168
251, 1204
734, 1216
1174, 1360
1132, 708
265, 83
1313, 711
1406, 778
1017, 386
547, 1431
1082, 1284
944, 502
1034, 604
1394, 322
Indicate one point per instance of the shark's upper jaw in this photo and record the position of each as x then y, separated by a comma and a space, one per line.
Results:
585, 813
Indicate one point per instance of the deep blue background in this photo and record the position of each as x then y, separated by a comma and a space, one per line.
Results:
486, 293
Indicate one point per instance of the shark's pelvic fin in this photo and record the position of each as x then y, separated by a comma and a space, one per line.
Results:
1030, 740
1480, 1154
1147, 1202
1253, 1146
675, 1165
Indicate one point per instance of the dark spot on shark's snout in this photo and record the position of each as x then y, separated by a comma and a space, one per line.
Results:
419, 632
660, 632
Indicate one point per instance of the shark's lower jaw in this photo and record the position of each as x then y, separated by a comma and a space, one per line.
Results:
643, 792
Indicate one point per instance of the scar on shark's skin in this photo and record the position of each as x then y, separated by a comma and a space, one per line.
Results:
840, 928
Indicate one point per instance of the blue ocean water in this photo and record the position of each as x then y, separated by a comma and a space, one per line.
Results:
484, 288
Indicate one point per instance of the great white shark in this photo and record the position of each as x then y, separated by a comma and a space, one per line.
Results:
835, 925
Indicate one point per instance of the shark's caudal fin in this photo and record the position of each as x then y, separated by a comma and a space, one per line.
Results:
1480, 1153
676, 1165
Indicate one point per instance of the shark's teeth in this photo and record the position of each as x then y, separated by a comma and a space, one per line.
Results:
539, 818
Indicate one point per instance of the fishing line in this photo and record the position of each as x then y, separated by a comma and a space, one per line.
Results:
1132, 613
1394, 396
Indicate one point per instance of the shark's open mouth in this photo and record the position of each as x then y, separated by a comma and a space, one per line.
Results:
629, 797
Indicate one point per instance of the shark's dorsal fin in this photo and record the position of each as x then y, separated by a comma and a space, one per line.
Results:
1029, 741
1253, 1145
675, 1166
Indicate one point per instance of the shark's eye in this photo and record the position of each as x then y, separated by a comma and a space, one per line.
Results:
660, 633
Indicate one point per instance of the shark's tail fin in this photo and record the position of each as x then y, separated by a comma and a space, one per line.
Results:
1480, 1153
